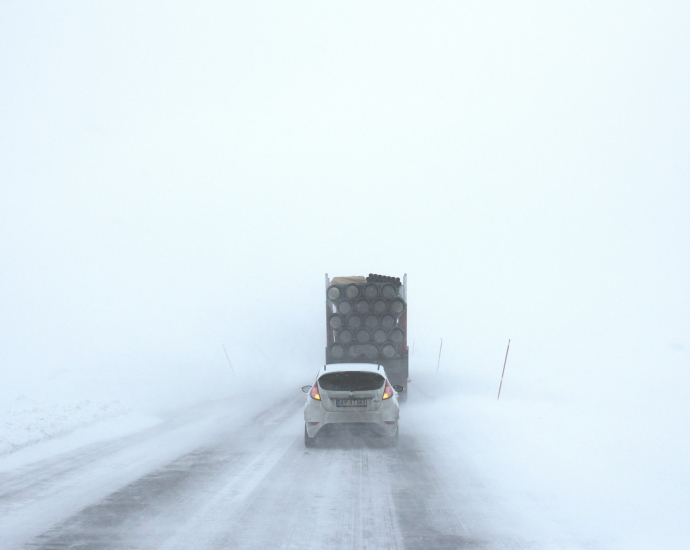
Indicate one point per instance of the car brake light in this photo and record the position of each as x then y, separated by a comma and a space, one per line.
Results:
388, 392
314, 392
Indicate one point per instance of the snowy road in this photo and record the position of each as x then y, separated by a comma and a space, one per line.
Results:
192, 483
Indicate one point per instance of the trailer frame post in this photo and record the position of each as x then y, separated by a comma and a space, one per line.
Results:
329, 330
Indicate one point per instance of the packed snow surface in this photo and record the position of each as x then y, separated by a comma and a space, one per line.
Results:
469, 472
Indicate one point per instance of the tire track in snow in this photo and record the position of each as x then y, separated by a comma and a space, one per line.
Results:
258, 487
167, 492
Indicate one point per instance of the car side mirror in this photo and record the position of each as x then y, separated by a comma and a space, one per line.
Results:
305, 389
398, 388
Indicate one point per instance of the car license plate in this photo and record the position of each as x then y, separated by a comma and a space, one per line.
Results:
350, 402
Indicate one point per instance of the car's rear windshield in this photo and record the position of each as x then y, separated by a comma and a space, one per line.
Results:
351, 381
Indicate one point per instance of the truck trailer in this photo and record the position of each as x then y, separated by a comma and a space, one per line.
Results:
366, 322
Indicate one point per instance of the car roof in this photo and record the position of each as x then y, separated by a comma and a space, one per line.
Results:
339, 367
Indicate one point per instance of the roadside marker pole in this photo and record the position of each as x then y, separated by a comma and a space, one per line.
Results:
439, 356
228, 357
504, 371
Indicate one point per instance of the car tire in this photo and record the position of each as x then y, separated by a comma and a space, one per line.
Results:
309, 442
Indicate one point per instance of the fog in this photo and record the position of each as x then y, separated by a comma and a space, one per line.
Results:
176, 178
179, 178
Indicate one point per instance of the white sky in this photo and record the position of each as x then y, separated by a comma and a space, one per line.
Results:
180, 175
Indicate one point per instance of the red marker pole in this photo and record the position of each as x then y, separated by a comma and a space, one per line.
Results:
504, 371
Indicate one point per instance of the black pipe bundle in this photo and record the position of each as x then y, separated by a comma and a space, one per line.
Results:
375, 278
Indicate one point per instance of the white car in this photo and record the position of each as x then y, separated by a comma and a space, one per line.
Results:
351, 393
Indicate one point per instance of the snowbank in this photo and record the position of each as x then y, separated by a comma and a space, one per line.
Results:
28, 422
42, 416
563, 471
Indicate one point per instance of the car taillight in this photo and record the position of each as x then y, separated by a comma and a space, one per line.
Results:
388, 392
314, 392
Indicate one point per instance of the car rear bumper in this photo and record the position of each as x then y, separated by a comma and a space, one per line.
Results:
386, 420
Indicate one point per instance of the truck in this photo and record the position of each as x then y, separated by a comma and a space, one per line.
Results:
366, 322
